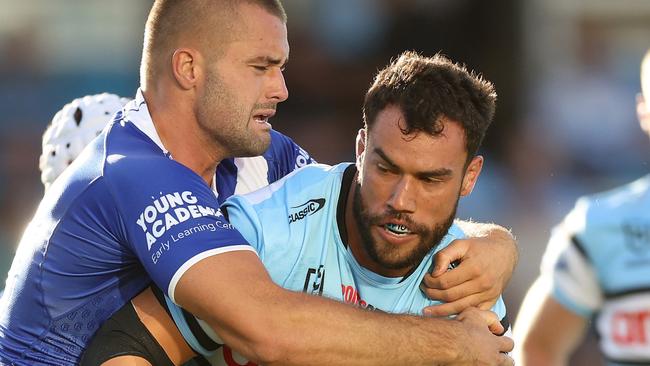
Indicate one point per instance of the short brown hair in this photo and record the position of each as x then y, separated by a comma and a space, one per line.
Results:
169, 19
429, 88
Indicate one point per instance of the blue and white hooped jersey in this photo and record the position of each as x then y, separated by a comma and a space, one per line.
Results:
598, 262
297, 227
123, 214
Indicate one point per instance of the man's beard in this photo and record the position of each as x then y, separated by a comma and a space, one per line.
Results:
386, 255
232, 129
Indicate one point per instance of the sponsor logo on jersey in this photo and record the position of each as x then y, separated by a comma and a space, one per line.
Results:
631, 328
302, 158
637, 236
562, 264
352, 296
306, 209
315, 281
169, 210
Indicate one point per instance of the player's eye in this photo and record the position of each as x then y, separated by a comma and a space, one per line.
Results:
431, 180
260, 68
382, 168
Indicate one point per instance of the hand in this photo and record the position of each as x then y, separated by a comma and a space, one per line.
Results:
490, 318
486, 265
482, 347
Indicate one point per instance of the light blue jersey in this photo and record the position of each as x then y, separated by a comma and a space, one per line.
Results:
598, 262
297, 227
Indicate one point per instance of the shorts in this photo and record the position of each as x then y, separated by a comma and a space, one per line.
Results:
123, 334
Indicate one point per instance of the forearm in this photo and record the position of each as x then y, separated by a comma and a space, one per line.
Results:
537, 355
270, 325
538, 341
310, 330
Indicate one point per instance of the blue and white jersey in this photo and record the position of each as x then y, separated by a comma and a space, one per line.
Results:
124, 214
598, 263
297, 227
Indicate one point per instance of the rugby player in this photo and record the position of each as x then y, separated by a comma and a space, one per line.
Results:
596, 266
363, 233
211, 78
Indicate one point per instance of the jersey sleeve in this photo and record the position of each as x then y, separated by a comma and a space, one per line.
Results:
240, 214
567, 267
247, 213
171, 218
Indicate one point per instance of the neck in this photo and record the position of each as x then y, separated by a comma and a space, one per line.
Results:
355, 243
180, 133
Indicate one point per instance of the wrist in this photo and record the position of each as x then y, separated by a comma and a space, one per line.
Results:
450, 336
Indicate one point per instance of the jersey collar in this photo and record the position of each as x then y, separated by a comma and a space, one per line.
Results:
346, 184
137, 113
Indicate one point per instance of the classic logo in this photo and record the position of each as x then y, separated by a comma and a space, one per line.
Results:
306, 209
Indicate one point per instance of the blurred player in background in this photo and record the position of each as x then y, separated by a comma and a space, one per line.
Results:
365, 234
596, 266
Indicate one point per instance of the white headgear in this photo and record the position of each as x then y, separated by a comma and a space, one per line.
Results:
72, 128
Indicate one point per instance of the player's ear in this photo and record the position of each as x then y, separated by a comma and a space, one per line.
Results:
185, 67
471, 175
360, 146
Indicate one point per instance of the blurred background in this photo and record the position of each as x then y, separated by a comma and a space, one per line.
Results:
566, 71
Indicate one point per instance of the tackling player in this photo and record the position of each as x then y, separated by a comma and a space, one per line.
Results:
596, 266
364, 234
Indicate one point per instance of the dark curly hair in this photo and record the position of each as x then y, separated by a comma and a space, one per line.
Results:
426, 89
